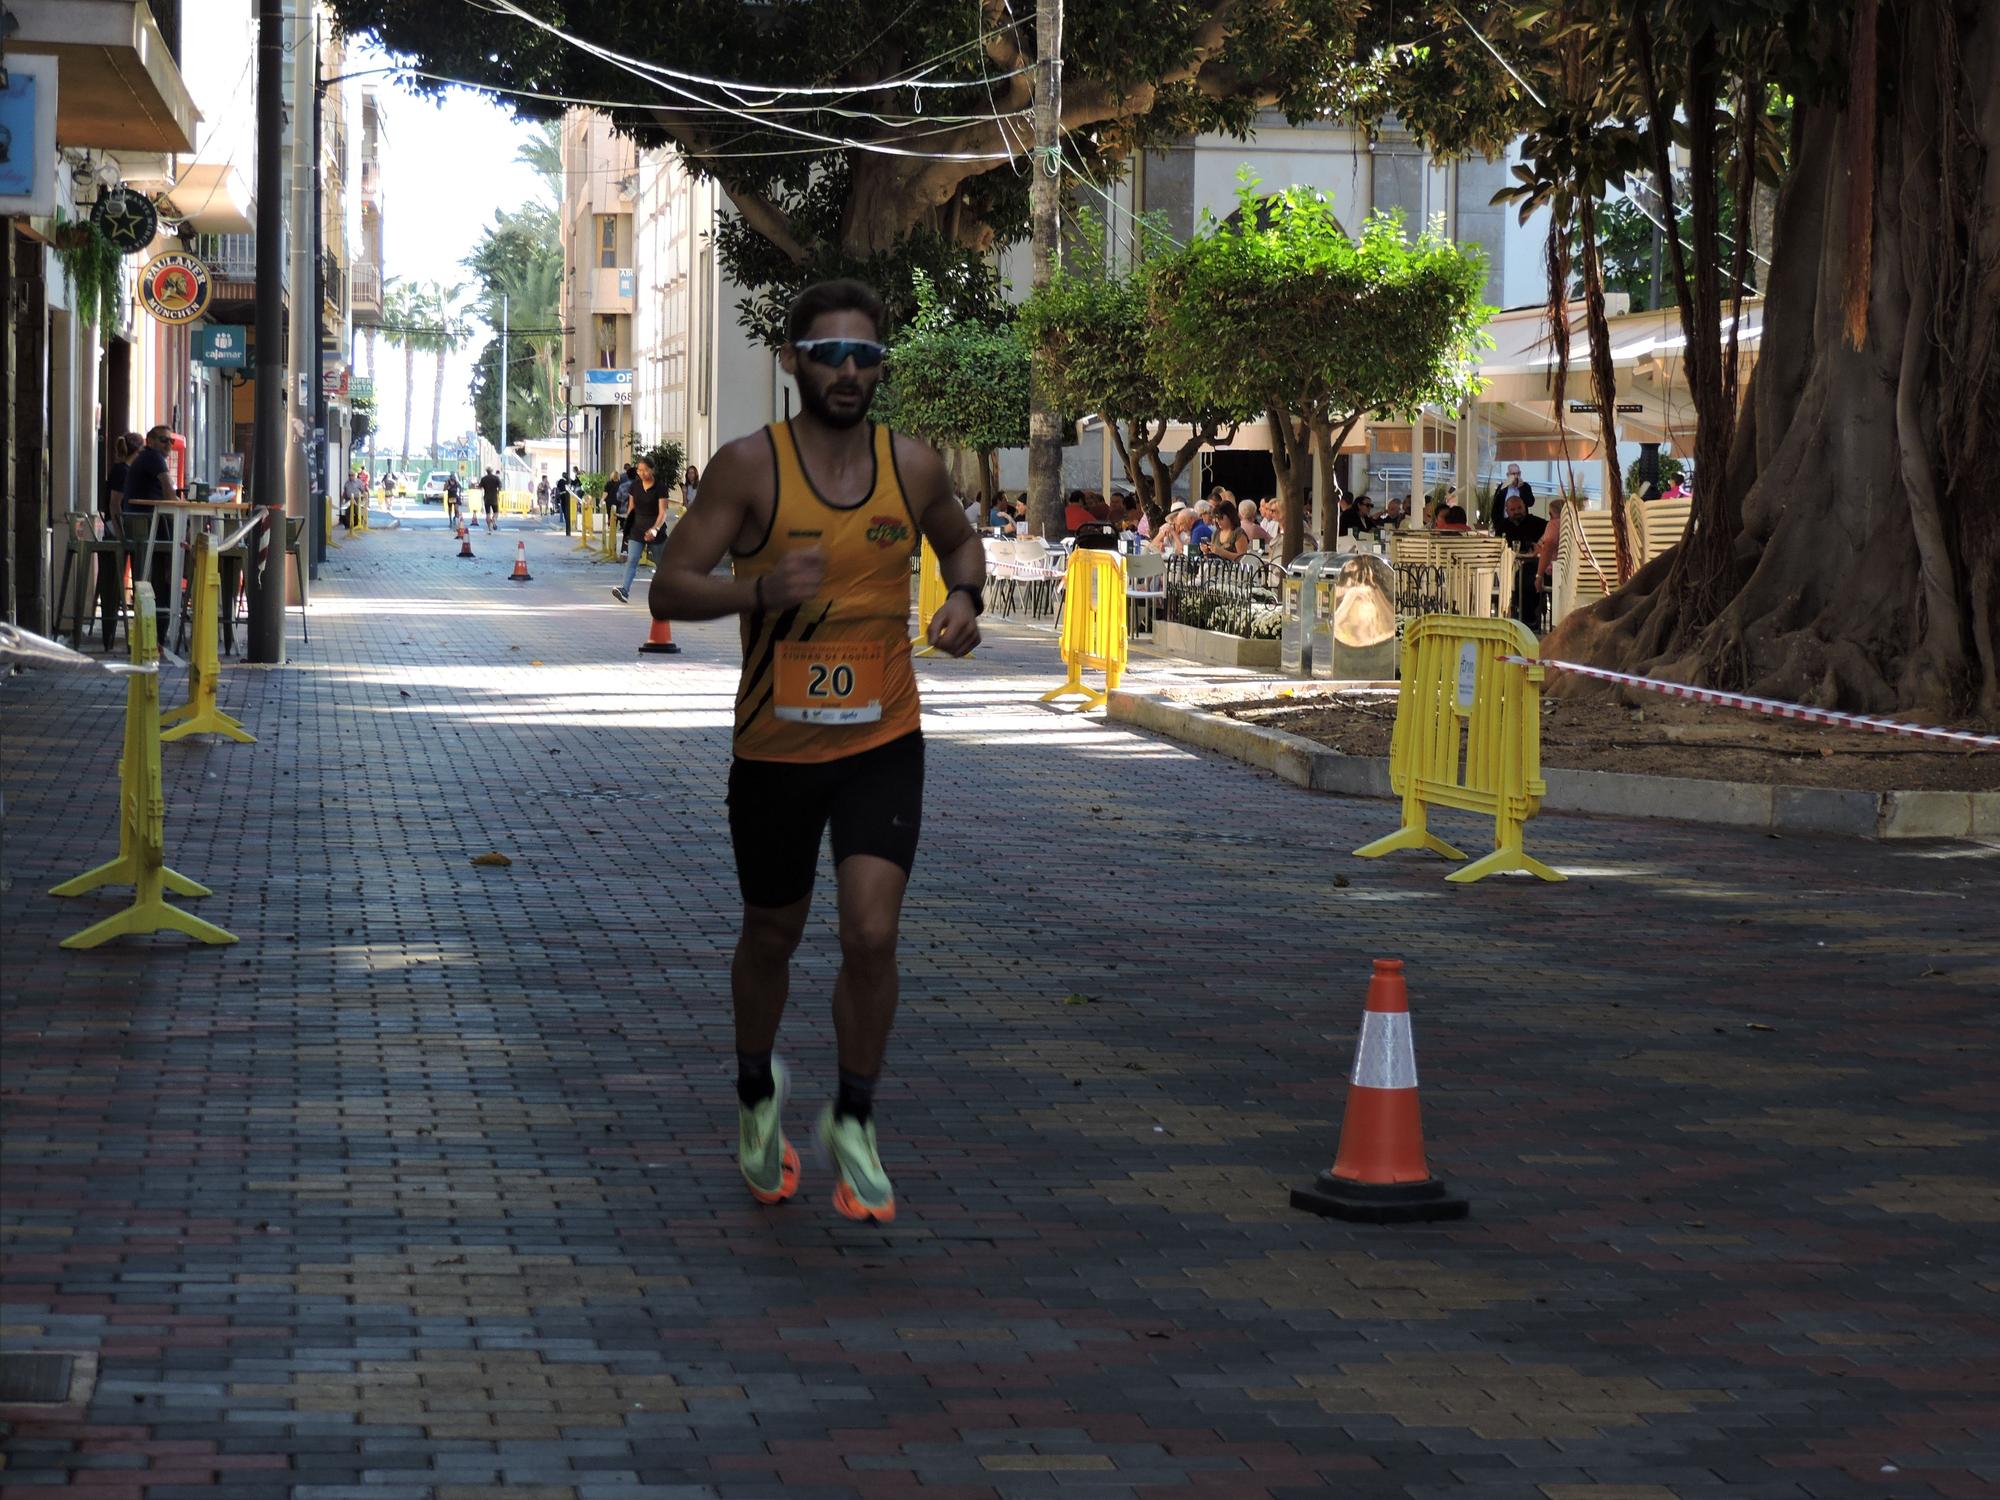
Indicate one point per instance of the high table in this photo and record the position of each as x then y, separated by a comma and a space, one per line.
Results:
178, 515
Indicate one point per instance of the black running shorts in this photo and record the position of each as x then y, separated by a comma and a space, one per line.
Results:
779, 810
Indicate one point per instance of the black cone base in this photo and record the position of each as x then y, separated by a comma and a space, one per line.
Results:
659, 648
1379, 1203
522, 577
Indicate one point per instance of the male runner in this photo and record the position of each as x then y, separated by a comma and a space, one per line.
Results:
489, 488
820, 515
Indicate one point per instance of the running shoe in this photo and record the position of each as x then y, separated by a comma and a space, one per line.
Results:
848, 1145
620, 595
769, 1163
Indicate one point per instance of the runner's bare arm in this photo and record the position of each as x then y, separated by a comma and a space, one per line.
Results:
685, 586
961, 558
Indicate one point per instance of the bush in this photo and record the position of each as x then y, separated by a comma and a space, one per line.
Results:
1258, 619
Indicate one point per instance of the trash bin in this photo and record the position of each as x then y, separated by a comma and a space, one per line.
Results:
1354, 620
1298, 598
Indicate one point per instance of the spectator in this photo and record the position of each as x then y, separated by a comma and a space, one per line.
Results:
542, 494
1520, 528
973, 510
147, 480
1228, 540
1250, 517
688, 483
1452, 518
1680, 489
1513, 484
1150, 522
1075, 513
1350, 517
1394, 515
110, 498
1201, 530
1364, 505
645, 522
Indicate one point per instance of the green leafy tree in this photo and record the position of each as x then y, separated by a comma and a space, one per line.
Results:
519, 257
1090, 330
1844, 547
959, 385
1279, 309
910, 161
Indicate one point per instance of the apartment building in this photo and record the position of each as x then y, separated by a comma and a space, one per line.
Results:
600, 196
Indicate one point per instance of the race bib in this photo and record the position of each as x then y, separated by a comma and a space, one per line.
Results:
830, 682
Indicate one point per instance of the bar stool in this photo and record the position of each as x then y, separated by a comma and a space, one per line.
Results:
83, 547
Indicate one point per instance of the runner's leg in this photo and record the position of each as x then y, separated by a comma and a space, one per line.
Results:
866, 990
760, 976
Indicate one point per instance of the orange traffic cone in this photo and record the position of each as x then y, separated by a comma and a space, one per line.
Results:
659, 641
464, 543
1379, 1175
521, 573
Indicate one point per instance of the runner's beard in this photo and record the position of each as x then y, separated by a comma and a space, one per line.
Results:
815, 401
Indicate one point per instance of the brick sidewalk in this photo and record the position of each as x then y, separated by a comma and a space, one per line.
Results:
426, 1188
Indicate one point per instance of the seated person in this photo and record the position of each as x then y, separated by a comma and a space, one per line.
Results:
1076, 512
1519, 527
1451, 518
1229, 540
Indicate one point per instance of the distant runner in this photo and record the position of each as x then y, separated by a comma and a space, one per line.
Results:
820, 516
489, 489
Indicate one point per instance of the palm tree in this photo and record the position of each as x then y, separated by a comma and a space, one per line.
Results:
402, 315
447, 309
542, 152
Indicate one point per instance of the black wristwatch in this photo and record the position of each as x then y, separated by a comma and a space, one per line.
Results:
978, 596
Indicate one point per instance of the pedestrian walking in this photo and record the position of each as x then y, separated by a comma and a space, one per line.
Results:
817, 514
542, 495
451, 498
489, 490
645, 524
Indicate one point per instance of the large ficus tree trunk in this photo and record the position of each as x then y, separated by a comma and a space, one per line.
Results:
1845, 548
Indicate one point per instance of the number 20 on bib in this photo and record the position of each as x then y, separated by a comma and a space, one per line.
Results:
836, 682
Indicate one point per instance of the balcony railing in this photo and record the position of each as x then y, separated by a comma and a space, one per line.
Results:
365, 287
233, 258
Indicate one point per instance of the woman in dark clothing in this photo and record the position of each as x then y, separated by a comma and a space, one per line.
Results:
111, 575
645, 523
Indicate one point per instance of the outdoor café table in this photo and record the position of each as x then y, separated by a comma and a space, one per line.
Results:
178, 514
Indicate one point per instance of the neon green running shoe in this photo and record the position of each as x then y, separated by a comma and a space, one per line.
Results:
769, 1163
847, 1145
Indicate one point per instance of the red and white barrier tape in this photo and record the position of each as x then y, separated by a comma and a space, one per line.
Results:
1771, 705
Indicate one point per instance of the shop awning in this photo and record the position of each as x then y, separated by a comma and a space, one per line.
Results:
117, 85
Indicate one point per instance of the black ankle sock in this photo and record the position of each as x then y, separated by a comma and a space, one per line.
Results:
754, 1080
856, 1099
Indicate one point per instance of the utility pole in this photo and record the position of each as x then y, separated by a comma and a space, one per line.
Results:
503, 385
322, 443
1045, 508
266, 565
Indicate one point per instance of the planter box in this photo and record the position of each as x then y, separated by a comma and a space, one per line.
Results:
1215, 647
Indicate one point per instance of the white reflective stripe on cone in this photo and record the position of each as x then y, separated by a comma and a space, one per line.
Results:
1384, 1058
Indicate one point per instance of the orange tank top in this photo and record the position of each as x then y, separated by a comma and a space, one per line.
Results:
830, 677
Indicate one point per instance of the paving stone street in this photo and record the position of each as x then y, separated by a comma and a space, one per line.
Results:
426, 1189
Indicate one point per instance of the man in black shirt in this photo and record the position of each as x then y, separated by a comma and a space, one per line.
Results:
148, 480
1522, 531
489, 489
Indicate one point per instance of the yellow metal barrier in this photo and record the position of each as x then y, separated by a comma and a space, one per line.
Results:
586, 523
332, 520
1093, 628
199, 715
931, 594
614, 534
141, 860
1468, 735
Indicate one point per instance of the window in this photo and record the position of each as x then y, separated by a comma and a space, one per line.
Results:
607, 241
